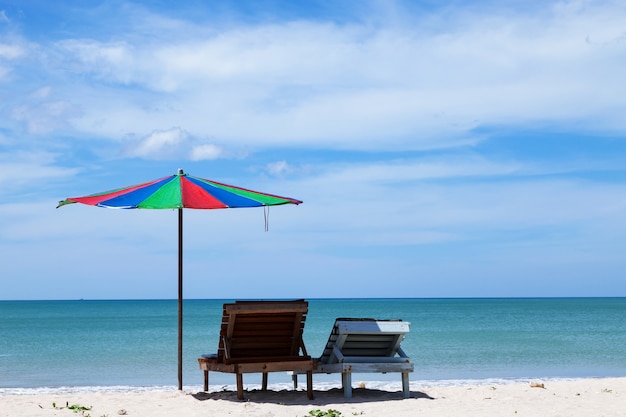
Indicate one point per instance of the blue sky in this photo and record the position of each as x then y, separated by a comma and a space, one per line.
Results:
442, 149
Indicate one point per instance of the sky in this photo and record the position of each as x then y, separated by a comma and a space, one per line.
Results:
441, 148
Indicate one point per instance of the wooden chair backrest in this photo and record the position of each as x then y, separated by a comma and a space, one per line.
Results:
258, 330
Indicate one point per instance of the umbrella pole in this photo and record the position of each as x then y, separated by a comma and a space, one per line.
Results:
180, 299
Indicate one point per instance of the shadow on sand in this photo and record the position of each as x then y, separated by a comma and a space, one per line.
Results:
289, 397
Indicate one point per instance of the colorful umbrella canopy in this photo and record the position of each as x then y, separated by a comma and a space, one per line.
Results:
177, 192
180, 191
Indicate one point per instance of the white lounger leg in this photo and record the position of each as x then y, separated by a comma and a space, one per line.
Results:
346, 381
405, 385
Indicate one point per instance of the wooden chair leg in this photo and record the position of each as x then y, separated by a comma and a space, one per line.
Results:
309, 384
239, 386
264, 383
206, 381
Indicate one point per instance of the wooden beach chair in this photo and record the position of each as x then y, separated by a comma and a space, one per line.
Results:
358, 345
261, 337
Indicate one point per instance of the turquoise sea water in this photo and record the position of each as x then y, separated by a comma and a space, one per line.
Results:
50, 345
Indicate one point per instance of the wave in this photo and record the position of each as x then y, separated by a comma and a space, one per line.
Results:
322, 386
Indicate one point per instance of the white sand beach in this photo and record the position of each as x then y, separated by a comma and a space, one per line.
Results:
582, 397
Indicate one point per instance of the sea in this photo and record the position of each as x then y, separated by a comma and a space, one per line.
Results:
122, 345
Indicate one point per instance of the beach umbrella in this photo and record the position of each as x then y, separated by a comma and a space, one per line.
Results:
177, 192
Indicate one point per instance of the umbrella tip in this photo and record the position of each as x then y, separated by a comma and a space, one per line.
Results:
180, 171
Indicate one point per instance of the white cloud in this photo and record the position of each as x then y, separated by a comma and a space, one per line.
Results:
110, 61
41, 93
438, 202
173, 143
408, 86
206, 152
450, 167
43, 117
278, 168
160, 144
11, 51
22, 169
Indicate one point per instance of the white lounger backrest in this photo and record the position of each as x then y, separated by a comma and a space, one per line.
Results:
365, 340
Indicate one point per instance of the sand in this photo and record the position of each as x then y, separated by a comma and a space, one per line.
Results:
583, 397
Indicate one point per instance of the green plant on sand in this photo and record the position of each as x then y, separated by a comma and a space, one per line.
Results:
327, 413
77, 408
